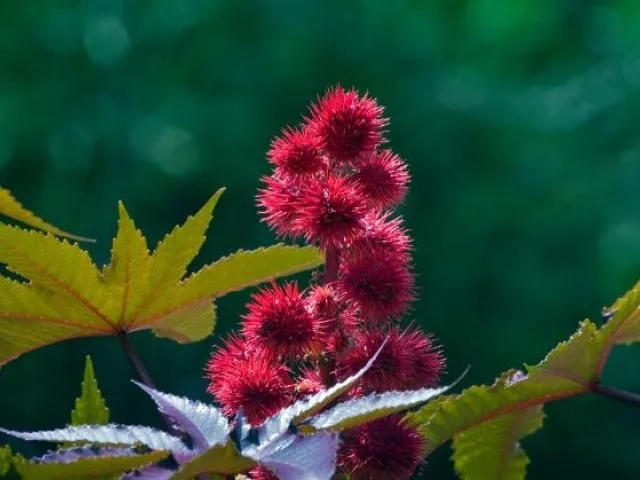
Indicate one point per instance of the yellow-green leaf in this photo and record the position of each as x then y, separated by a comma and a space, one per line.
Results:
12, 208
33, 316
127, 275
492, 451
88, 467
224, 460
6, 459
57, 268
68, 297
568, 370
511, 407
90, 408
187, 324
229, 274
624, 324
168, 263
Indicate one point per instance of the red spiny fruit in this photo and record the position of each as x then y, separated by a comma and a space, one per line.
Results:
278, 202
384, 178
330, 211
297, 152
280, 322
340, 318
390, 371
234, 349
348, 125
309, 383
337, 341
385, 449
382, 233
427, 361
407, 361
379, 285
258, 385
323, 302
261, 473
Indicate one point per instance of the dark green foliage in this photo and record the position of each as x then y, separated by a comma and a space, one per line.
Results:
518, 120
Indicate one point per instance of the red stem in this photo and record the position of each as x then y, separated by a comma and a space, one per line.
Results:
142, 372
331, 265
328, 363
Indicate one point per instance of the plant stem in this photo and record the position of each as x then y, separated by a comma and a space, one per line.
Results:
141, 372
331, 265
328, 364
616, 394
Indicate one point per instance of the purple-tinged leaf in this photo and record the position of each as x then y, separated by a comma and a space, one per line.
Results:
88, 466
205, 424
108, 434
241, 430
297, 457
69, 455
278, 425
365, 409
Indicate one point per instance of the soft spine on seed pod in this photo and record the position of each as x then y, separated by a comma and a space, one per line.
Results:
334, 184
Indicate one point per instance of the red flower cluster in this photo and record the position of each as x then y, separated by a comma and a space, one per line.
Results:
334, 185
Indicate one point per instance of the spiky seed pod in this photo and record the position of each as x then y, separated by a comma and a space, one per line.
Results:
380, 285
385, 449
330, 211
296, 153
383, 233
349, 126
258, 384
235, 348
407, 361
340, 318
384, 178
280, 322
261, 473
426, 359
278, 204
309, 383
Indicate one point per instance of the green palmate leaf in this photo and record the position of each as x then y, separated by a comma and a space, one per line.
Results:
486, 422
192, 298
10, 207
68, 297
491, 450
568, 370
92, 467
90, 407
136, 279
237, 271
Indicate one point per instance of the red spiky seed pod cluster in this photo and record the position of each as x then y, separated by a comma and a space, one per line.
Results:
334, 183
385, 449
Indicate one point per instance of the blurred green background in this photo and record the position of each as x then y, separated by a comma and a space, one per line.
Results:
518, 119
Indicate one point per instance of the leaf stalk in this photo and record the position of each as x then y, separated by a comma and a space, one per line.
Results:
617, 394
141, 371
143, 375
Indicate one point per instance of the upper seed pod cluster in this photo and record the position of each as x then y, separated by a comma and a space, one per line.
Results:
335, 184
